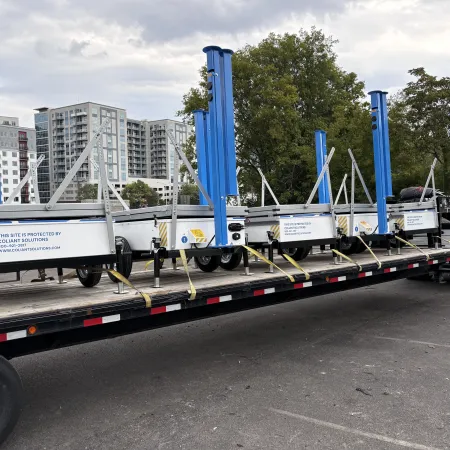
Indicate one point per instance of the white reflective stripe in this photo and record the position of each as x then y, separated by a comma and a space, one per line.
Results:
108, 319
393, 269
173, 307
225, 298
369, 274
16, 335
269, 291
342, 278
307, 284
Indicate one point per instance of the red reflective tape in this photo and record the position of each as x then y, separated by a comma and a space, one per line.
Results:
413, 266
157, 310
92, 322
362, 275
334, 280
448, 259
258, 292
212, 301
391, 269
3, 337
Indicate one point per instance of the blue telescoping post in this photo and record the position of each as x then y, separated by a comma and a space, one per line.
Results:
379, 159
228, 122
386, 144
321, 157
217, 168
201, 143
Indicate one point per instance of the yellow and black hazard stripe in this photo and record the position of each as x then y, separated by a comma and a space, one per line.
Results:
163, 233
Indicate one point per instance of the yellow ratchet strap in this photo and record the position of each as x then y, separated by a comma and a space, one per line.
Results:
296, 265
347, 258
120, 277
370, 250
148, 263
263, 258
413, 246
442, 239
192, 292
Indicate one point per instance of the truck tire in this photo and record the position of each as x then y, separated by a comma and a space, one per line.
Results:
297, 254
229, 261
207, 263
90, 276
11, 399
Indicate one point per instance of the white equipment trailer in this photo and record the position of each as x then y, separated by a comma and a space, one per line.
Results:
293, 229
57, 235
160, 232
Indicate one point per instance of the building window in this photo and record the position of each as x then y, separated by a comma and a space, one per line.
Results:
5, 190
15, 172
14, 163
15, 181
5, 181
14, 154
3, 153
5, 172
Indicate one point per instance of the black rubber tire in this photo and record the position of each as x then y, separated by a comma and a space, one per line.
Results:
352, 248
208, 263
90, 276
299, 253
362, 248
127, 262
233, 262
12, 398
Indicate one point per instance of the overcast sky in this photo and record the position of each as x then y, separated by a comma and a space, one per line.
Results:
142, 55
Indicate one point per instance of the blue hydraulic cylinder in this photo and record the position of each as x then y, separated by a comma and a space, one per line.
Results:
386, 143
216, 150
321, 157
379, 159
228, 122
201, 143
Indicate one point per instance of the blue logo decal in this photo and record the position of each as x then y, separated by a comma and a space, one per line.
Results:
184, 239
356, 228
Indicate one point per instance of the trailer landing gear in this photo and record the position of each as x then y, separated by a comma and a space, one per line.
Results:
11, 398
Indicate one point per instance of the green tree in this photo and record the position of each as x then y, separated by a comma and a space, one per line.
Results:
285, 87
192, 191
87, 192
423, 115
138, 193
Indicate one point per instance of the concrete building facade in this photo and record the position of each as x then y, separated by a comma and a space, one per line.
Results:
18, 151
62, 135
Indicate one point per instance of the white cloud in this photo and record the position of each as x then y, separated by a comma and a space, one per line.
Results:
143, 56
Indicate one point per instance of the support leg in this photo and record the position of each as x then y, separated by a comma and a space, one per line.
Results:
388, 245
174, 264
119, 265
246, 262
270, 256
335, 258
430, 237
156, 268
60, 276
322, 249
399, 247
339, 249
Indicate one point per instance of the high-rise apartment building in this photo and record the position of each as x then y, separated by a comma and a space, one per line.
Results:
62, 135
18, 151
138, 164
161, 149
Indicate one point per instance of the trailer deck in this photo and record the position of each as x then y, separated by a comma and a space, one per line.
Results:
31, 313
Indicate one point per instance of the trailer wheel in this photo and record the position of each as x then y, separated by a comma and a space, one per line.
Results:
350, 248
229, 261
90, 276
362, 248
207, 263
297, 254
127, 261
11, 398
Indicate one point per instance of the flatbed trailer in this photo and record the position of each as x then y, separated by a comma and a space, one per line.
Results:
35, 318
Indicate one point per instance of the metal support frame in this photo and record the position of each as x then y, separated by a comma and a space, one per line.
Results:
111, 186
238, 196
323, 172
361, 178
173, 227
190, 169
265, 184
430, 178
342, 188
32, 173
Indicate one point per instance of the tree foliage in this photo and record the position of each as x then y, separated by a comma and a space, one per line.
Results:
192, 191
87, 192
140, 194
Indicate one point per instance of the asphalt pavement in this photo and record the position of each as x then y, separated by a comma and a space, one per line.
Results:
363, 369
